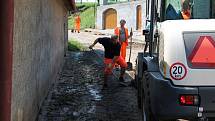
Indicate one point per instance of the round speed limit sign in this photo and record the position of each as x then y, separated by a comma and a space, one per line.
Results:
178, 71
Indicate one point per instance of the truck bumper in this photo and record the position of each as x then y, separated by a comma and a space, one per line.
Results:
165, 99
207, 95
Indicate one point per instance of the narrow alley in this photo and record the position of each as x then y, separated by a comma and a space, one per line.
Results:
78, 94
157, 63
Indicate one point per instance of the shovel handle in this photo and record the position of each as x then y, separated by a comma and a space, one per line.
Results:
130, 48
100, 58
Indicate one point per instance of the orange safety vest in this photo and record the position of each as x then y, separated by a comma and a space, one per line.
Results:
117, 32
77, 23
123, 44
78, 19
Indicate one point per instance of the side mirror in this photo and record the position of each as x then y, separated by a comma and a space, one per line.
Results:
145, 32
158, 19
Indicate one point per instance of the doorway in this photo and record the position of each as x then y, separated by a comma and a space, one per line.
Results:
139, 17
110, 19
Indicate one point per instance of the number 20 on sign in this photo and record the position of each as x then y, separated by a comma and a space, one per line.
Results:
178, 71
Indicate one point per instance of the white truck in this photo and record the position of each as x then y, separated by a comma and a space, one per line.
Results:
175, 76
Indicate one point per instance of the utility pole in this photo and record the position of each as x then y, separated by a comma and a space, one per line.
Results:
98, 1
95, 5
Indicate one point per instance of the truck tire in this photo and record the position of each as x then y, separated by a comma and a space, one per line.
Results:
146, 107
136, 81
139, 94
147, 114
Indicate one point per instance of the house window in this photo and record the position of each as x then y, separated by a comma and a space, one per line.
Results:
213, 8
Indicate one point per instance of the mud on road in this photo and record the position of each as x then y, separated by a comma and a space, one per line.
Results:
78, 94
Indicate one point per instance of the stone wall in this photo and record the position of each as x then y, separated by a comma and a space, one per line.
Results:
127, 11
40, 37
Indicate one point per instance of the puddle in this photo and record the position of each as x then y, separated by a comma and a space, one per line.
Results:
94, 92
70, 90
92, 109
78, 55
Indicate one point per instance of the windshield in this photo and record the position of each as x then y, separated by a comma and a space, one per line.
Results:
189, 9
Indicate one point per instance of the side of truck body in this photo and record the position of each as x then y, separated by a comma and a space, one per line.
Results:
175, 79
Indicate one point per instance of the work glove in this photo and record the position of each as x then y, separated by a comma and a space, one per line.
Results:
131, 34
110, 66
91, 47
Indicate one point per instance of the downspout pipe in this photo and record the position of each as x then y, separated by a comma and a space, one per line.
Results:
6, 53
152, 27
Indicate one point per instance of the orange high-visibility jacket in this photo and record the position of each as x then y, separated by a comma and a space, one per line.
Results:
78, 19
123, 44
77, 22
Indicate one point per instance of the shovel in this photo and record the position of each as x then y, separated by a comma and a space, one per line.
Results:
129, 60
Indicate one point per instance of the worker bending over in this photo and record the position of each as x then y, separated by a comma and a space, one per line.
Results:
122, 33
112, 56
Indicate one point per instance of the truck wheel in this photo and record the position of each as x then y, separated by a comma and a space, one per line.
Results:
135, 81
146, 107
139, 99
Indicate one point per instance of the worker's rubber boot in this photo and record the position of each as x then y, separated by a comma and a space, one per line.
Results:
104, 86
121, 79
122, 82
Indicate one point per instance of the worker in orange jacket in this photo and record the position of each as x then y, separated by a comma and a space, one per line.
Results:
122, 33
77, 23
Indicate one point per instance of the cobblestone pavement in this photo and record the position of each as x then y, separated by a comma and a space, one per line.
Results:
78, 94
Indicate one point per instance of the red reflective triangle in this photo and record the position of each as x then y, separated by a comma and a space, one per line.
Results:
203, 54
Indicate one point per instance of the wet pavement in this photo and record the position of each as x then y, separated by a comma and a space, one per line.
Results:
78, 94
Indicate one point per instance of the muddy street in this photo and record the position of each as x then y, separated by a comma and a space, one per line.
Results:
78, 94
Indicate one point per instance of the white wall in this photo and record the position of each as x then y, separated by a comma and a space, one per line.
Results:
127, 11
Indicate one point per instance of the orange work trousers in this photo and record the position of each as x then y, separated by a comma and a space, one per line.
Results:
123, 49
120, 62
77, 26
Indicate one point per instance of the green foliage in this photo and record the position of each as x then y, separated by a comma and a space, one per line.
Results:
74, 45
116, 1
89, 4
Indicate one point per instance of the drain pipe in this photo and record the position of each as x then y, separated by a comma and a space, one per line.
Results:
6, 53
